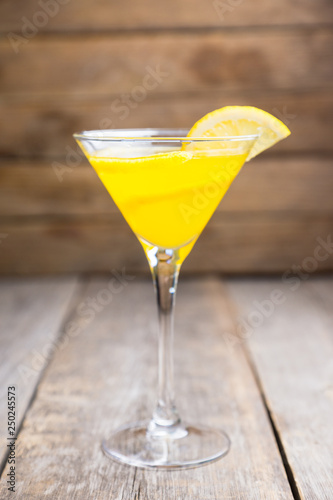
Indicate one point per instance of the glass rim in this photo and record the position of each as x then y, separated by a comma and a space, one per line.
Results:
153, 135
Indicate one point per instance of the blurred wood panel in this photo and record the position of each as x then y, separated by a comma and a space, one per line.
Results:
112, 14
89, 65
291, 351
298, 185
114, 353
231, 243
45, 127
41, 306
169, 62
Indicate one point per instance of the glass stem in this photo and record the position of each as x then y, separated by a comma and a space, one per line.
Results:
165, 270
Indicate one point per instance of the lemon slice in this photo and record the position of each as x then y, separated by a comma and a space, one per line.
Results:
242, 120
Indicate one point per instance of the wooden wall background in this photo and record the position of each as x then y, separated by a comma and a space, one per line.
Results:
65, 67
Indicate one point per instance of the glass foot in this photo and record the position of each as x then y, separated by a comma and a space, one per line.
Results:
189, 446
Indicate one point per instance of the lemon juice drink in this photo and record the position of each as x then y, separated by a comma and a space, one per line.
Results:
167, 189
168, 197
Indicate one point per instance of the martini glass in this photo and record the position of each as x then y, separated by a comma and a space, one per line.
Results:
167, 186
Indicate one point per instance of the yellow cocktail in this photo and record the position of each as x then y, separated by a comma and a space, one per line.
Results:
168, 197
167, 185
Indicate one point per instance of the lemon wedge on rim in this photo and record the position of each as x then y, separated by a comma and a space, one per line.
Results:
242, 120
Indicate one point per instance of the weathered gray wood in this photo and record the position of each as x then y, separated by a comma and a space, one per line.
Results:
231, 243
29, 188
292, 352
115, 15
37, 127
106, 376
31, 317
104, 65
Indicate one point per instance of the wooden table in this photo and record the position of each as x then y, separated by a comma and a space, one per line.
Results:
252, 356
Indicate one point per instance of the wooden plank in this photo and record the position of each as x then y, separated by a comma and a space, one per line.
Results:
46, 127
269, 243
231, 243
301, 184
292, 353
31, 313
107, 65
106, 376
113, 15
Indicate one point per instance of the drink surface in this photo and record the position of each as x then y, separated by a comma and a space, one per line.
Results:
167, 197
